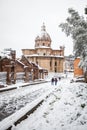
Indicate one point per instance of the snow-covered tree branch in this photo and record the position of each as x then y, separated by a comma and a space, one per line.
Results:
76, 26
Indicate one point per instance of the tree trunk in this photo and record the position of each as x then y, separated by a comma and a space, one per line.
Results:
85, 76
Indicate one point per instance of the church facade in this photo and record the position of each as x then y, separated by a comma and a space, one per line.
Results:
44, 55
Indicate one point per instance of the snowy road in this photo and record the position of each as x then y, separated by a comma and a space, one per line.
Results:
13, 100
65, 108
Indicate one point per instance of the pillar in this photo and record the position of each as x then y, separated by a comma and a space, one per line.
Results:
8, 79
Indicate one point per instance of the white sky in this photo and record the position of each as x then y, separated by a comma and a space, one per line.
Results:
21, 21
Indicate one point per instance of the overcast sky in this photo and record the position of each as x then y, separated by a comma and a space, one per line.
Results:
21, 21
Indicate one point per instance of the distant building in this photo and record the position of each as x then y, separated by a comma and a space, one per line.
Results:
77, 71
13, 70
44, 55
69, 63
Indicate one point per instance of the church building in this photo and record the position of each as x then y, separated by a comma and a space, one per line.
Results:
44, 55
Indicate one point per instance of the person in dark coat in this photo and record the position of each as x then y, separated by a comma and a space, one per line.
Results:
59, 78
56, 81
52, 81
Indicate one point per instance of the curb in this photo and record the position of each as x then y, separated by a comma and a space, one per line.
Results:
16, 118
26, 115
28, 84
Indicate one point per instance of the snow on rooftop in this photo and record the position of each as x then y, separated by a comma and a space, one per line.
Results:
22, 63
38, 55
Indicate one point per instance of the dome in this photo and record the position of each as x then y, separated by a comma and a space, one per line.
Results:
44, 36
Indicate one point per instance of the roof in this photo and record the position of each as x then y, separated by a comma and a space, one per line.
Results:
44, 36
21, 63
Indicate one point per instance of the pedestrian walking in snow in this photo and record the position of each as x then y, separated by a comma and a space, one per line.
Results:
56, 81
52, 81
59, 78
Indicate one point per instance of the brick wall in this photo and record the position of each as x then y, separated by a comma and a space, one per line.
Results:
77, 71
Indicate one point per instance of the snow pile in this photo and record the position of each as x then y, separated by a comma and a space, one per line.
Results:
12, 101
65, 108
7, 122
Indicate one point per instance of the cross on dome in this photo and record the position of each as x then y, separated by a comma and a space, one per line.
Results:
43, 28
43, 39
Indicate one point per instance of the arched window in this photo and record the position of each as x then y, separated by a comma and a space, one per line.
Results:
37, 62
50, 63
55, 63
55, 70
37, 44
48, 45
43, 44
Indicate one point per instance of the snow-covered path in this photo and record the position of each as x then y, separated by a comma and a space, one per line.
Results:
64, 109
